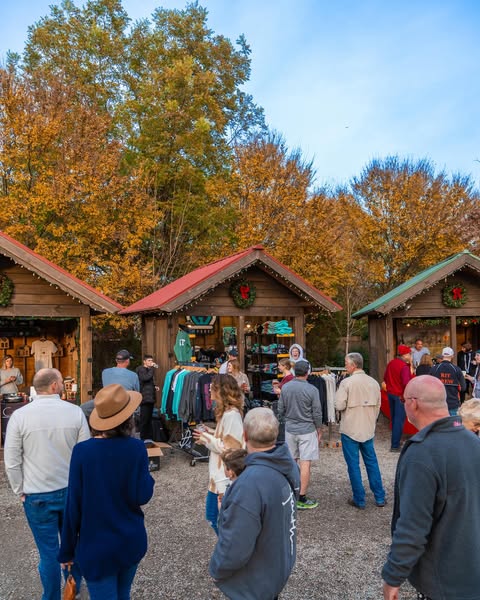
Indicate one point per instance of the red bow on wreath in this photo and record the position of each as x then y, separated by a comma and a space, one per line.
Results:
244, 291
457, 293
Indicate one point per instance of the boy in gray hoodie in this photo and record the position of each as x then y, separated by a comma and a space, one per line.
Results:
256, 546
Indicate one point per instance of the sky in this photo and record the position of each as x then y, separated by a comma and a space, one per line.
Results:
345, 81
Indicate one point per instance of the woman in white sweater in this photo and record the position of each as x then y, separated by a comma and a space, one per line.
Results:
227, 397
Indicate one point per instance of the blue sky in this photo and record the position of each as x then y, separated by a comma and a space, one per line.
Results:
345, 81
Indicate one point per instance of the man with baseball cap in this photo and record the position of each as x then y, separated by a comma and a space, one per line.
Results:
121, 374
299, 403
397, 374
452, 378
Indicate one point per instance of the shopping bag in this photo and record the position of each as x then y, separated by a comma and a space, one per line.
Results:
70, 590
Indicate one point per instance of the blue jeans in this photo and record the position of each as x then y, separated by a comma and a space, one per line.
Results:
211, 510
453, 412
44, 514
113, 587
397, 416
351, 450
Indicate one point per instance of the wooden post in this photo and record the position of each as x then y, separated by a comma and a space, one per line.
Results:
241, 341
453, 333
86, 380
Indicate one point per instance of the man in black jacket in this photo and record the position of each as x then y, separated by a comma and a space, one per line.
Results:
146, 376
452, 378
436, 512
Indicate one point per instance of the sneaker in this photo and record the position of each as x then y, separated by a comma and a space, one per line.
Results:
309, 503
381, 504
395, 449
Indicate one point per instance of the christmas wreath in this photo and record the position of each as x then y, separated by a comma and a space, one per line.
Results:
243, 293
6, 290
454, 295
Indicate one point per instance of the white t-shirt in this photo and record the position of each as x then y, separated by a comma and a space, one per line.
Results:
43, 351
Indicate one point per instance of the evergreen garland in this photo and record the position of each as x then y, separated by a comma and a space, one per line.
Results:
6, 290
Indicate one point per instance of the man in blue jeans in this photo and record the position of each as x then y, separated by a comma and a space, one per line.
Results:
398, 373
38, 446
358, 400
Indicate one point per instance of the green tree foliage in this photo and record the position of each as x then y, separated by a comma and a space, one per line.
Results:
117, 142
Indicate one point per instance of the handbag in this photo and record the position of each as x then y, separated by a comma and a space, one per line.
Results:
70, 589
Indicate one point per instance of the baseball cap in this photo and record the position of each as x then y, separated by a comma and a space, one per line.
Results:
233, 352
301, 368
123, 355
402, 349
447, 351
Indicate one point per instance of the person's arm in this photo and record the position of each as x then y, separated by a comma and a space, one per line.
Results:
144, 482
73, 510
232, 436
405, 375
238, 533
145, 374
414, 524
136, 383
13, 455
390, 592
462, 382
341, 397
84, 431
19, 377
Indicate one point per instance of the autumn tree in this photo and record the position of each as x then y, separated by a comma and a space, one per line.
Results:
405, 217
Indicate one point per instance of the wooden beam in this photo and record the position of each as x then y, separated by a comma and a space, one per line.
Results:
86, 378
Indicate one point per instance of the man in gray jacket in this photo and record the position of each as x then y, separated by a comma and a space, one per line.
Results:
436, 513
299, 404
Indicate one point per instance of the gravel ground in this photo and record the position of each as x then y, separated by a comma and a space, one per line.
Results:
340, 549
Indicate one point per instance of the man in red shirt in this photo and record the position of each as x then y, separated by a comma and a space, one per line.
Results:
397, 374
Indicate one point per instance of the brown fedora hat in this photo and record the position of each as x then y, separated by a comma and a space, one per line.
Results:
113, 405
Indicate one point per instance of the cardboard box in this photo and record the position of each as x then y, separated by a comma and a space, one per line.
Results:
154, 452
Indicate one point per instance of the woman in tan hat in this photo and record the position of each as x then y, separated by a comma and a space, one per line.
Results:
228, 399
109, 481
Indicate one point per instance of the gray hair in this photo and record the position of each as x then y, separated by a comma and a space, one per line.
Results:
44, 378
356, 358
470, 411
261, 427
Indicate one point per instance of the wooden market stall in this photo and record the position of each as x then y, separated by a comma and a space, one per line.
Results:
46, 310
440, 305
226, 303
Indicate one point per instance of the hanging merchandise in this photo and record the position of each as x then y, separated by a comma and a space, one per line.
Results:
183, 346
243, 293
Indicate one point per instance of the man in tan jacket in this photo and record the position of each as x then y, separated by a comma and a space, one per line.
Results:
358, 400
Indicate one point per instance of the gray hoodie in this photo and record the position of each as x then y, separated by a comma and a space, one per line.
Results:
256, 546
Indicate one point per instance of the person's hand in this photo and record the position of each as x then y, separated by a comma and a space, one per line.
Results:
12, 378
319, 435
22, 497
390, 592
197, 436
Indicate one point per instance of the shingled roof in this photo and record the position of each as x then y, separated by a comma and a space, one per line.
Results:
57, 276
424, 280
180, 293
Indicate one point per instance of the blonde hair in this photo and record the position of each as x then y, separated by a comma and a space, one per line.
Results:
235, 365
470, 412
229, 394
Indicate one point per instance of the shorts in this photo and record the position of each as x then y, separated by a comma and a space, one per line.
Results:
303, 445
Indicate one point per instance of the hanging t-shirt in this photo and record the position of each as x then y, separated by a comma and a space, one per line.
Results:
43, 350
183, 347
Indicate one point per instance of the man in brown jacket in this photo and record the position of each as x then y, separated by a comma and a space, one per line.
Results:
358, 400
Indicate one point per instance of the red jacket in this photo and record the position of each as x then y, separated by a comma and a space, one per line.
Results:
397, 375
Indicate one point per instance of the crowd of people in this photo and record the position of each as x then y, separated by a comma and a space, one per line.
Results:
83, 476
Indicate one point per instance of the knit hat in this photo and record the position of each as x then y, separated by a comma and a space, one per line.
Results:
113, 406
448, 352
402, 349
